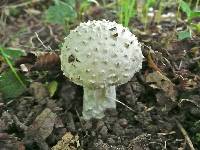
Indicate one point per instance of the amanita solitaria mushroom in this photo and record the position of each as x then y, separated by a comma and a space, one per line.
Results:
99, 55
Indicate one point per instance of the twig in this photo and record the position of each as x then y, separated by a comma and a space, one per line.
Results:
52, 34
188, 100
165, 147
79, 117
121, 103
180, 65
19, 124
187, 138
196, 58
46, 47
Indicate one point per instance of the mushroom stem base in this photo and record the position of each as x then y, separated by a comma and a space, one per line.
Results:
96, 101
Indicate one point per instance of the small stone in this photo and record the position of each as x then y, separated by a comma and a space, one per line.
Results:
118, 129
123, 122
88, 125
111, 112
93, 133
99, 125
104, 131
38, 90
111, 141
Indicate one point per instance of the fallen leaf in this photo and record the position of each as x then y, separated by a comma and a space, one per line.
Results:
38, 90
44, 123
39, 61
52, 87
68, 142
47, 61
160, 81
165, 102
30, 58
10, 142
151, 63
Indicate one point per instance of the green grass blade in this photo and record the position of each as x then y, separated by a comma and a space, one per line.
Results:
11, 67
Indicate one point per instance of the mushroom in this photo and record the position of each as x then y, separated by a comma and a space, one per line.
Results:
100, 55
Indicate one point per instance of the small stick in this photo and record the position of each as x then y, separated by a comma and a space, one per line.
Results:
121, 103
187, 138
196, 58
79, 117
46, 47
150, 61
18, 123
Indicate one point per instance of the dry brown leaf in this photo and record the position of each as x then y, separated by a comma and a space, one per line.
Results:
44, 123
68, 142
160, 81
39, 61
38, 90
47, 61
151, 63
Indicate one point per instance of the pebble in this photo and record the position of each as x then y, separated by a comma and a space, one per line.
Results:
123, 122
100, 124
38, 90
118, 130
104, 131
88, 125
111, 141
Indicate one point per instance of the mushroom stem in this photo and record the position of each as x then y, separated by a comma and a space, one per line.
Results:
96, 101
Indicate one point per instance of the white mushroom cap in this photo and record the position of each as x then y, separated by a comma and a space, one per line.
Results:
99, 54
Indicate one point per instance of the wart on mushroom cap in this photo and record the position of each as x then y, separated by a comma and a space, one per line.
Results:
100, 54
